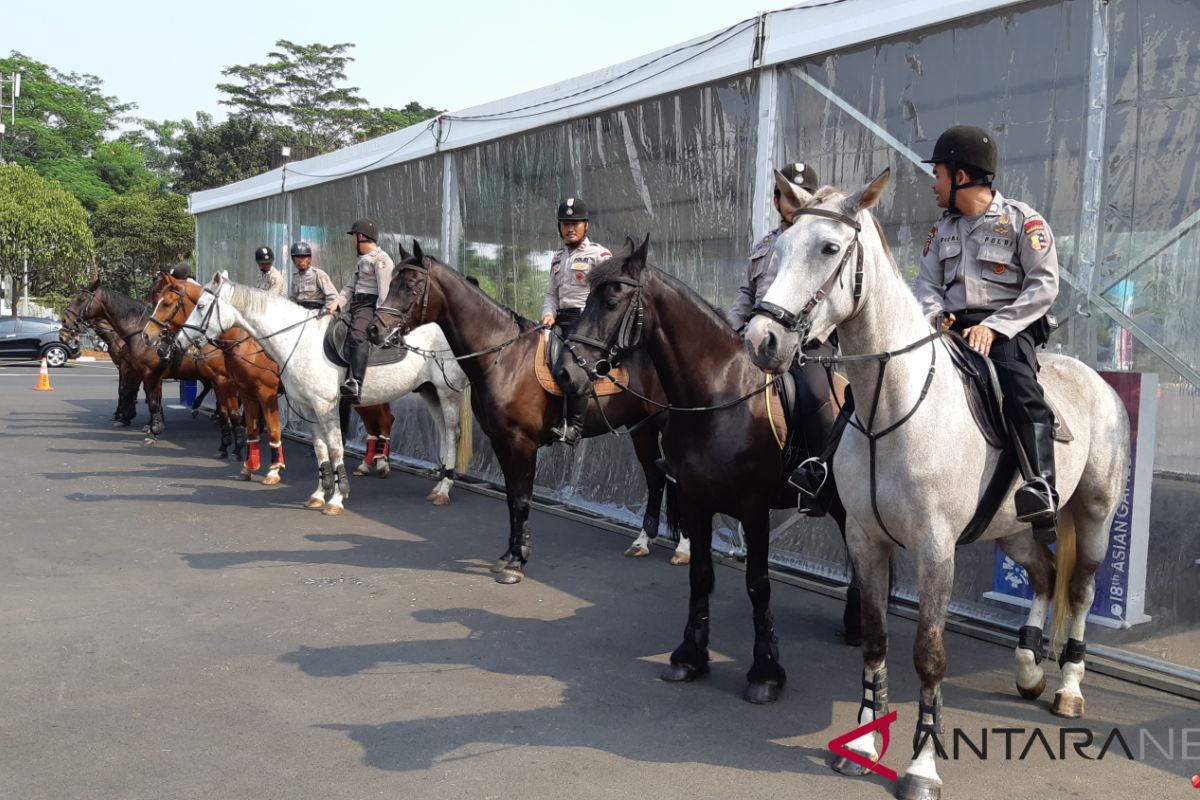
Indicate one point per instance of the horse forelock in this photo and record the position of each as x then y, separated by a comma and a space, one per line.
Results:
608, 269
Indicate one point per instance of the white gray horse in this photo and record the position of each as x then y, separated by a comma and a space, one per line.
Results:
294, 338
930, 472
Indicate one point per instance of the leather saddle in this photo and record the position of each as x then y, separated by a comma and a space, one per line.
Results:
549, 347
336, 336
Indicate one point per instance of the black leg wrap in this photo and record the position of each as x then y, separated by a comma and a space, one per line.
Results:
325, 471
650, 526
692, 654
766, 667
276, 455
343, 480
878, 687
226, 439
441, 473
1030, 638
1075, 651
929, 726
239, 441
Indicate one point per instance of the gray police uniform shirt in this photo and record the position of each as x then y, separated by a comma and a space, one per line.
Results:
568, 286
1003, 261
759, 276
271, 281
312, 285
372, 275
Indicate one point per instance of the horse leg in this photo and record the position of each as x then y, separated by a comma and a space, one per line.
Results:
270, 415
443, 407
1039, 563
330, 428
154, 401
1088, 522
645, 446
852, 611
251, 435
766, 676
690, 659
871, 560
935, 576
364, 468
383, 446
518, 461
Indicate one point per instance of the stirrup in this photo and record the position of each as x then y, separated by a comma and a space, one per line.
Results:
1036, 502
350, 388
567, 434
809, 480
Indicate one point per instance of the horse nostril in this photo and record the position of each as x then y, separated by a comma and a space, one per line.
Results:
770, 344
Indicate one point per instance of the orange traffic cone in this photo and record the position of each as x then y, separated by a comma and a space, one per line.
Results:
43, 384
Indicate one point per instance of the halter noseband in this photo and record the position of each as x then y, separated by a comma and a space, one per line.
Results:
202, 328
801, 322
79, 318
401, 327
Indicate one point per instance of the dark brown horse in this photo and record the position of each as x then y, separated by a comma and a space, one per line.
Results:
719, 441
128, 379
257, 378
127, 316
513, 409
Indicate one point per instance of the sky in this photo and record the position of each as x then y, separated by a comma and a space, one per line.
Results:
451, 54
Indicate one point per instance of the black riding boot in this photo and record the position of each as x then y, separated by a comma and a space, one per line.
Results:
1037, 499
571, 430
352, 388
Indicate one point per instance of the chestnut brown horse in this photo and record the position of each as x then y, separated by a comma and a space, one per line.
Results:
722, 446
257, 377
127, 316
495, 347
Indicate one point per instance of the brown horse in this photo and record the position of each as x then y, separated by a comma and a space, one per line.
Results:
513, 409
720, 441
257, 377
126, 316
128, 380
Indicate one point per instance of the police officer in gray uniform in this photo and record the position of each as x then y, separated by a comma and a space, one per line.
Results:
363, 292
271, 279
566, 295
310, 286
990, 266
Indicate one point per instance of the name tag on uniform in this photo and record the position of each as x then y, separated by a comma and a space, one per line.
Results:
580, 269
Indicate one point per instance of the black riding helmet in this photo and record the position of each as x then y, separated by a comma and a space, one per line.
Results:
366, 227
800, 174
966, 146
301, 249
264, 255
572, 208
180, 271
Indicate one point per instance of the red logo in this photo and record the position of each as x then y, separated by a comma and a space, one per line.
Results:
883, 725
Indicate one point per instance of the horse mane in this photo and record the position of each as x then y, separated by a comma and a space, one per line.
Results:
613, 267
523, 323
252, 300
123, 306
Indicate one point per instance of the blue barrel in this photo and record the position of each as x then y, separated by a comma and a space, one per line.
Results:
187, 393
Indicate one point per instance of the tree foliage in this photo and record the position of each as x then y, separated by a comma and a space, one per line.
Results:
42, 222
136, 234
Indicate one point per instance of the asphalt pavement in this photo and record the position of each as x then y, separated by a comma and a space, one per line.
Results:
170, 632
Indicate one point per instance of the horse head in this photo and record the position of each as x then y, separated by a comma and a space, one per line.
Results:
172, 305
613, 320
204, 321
412, 299
77, 315
818, 263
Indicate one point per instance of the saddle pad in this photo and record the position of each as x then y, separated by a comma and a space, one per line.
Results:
335, 347
541, 368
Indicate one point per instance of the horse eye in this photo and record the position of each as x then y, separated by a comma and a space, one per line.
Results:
611, 301
831, 249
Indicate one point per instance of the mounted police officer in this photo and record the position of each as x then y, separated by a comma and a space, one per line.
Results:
990, 266
363, 292
566, 295
180, 272
813, 405
271, 279
310, 286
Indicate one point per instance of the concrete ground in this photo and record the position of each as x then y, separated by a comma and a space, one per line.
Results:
169, 632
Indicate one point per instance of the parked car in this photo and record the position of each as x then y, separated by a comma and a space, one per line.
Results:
34, 337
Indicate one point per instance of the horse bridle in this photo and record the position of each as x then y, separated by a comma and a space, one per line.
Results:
801, 322
202, 328
79, 319
164, 327
627, 337
402, 327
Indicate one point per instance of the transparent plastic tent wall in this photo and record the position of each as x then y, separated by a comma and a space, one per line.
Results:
682, 167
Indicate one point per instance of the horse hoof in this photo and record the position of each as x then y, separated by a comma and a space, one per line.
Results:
384, 471
245, 475
330, 510
221, 455
636, 551
761, 694
148, 441
121, 423
1035, 692
509, 577
681, 673
914, 787
845, 766
681, 559
195, 413
1067, 706
362, 470
439, 499
145, 429
271, 480
314, 502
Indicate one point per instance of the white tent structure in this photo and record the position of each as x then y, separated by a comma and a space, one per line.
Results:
1094, 105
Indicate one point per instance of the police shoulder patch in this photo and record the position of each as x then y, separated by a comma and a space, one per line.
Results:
763, 247
929, 239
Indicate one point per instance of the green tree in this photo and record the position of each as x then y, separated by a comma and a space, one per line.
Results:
42, 222
136, 234
210, 154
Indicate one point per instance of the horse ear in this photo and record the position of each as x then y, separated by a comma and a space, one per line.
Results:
869, 195
643, 249
417, 252
404, 254
630, 246
95, 285
795, 194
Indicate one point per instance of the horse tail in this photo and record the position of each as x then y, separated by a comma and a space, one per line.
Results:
1064, 570
344, 417
466, 433
674, 511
